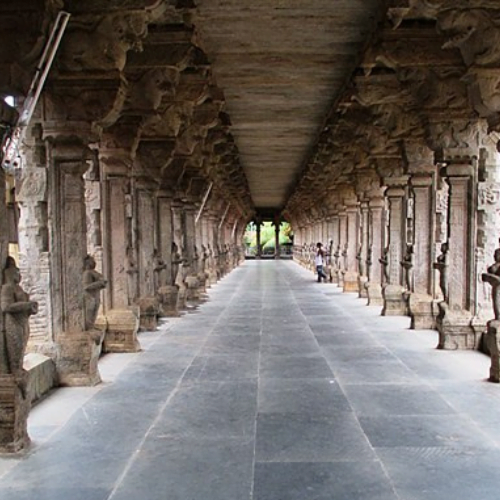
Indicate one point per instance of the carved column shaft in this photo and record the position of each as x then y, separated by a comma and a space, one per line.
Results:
376, 243
424, 227
351, 275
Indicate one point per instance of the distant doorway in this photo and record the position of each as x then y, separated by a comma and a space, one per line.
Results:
268, 241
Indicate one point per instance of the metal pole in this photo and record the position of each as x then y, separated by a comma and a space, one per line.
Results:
205, 199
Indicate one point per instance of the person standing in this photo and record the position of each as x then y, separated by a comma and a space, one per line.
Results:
319, 261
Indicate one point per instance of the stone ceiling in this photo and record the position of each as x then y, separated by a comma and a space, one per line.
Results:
281, 64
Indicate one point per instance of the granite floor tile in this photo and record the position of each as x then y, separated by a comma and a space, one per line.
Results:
305, 438
322, 481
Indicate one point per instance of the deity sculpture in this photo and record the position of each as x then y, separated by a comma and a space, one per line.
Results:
93, 283
359, 258
492, 276
369, 261
384, 260
176, 262
407, 264
159, 267
442, 266
16, 308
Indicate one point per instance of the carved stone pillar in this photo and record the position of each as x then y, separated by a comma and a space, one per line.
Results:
421, 304
455, 316
145, 224
376, 242
34, 255
192, 280
352, 246
335, 246
362, 254
178, 227
342, 248
119, 263
394, 301
259, 246
277, 252
77, 350
14, 403
167, 289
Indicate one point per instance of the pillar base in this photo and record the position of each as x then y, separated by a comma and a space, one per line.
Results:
14, 410
455, 330
168, 301
493, 346
394, 301
362, 291
77, 358
374, 292
350, 282
148, 315
423, 311
121, 331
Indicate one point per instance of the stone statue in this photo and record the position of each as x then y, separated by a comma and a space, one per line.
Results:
159, 267
93, 283
16, 308
492, 276
384, 260
359, 258
369, 262
442, 266
176, 262
407, 264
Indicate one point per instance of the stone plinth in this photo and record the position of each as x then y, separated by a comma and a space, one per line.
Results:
455, 330
362, 287
121, 331
168, 300
423, 312
394, 301
374, 291
192, 292
350, 282
14, 409
493, 346
149, 310
42, 375
77, 358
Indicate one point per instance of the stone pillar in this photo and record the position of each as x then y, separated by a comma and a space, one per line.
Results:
14, 402
192, 281
259, 246
335, 247
352, 246
394, 301
167, 290
342, 247
34, 255
376, 241
78, 350
119, 262
421, 304
277, 252
362, 254
145, 223
455, 316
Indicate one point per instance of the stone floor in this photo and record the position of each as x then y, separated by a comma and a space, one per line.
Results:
277, 388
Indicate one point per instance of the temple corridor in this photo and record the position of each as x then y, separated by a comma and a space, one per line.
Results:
275, 388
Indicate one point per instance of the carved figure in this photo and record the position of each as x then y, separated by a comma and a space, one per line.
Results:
384, 260
159, 267
176, 262
93, 283
16, 308
359, 258
407, 264
442, 266
493, 278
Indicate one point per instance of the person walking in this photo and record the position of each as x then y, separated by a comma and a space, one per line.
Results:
319, 261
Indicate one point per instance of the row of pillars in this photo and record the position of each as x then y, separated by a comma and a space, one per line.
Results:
418, 246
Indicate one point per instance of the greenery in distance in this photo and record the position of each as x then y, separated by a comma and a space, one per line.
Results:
267, 235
